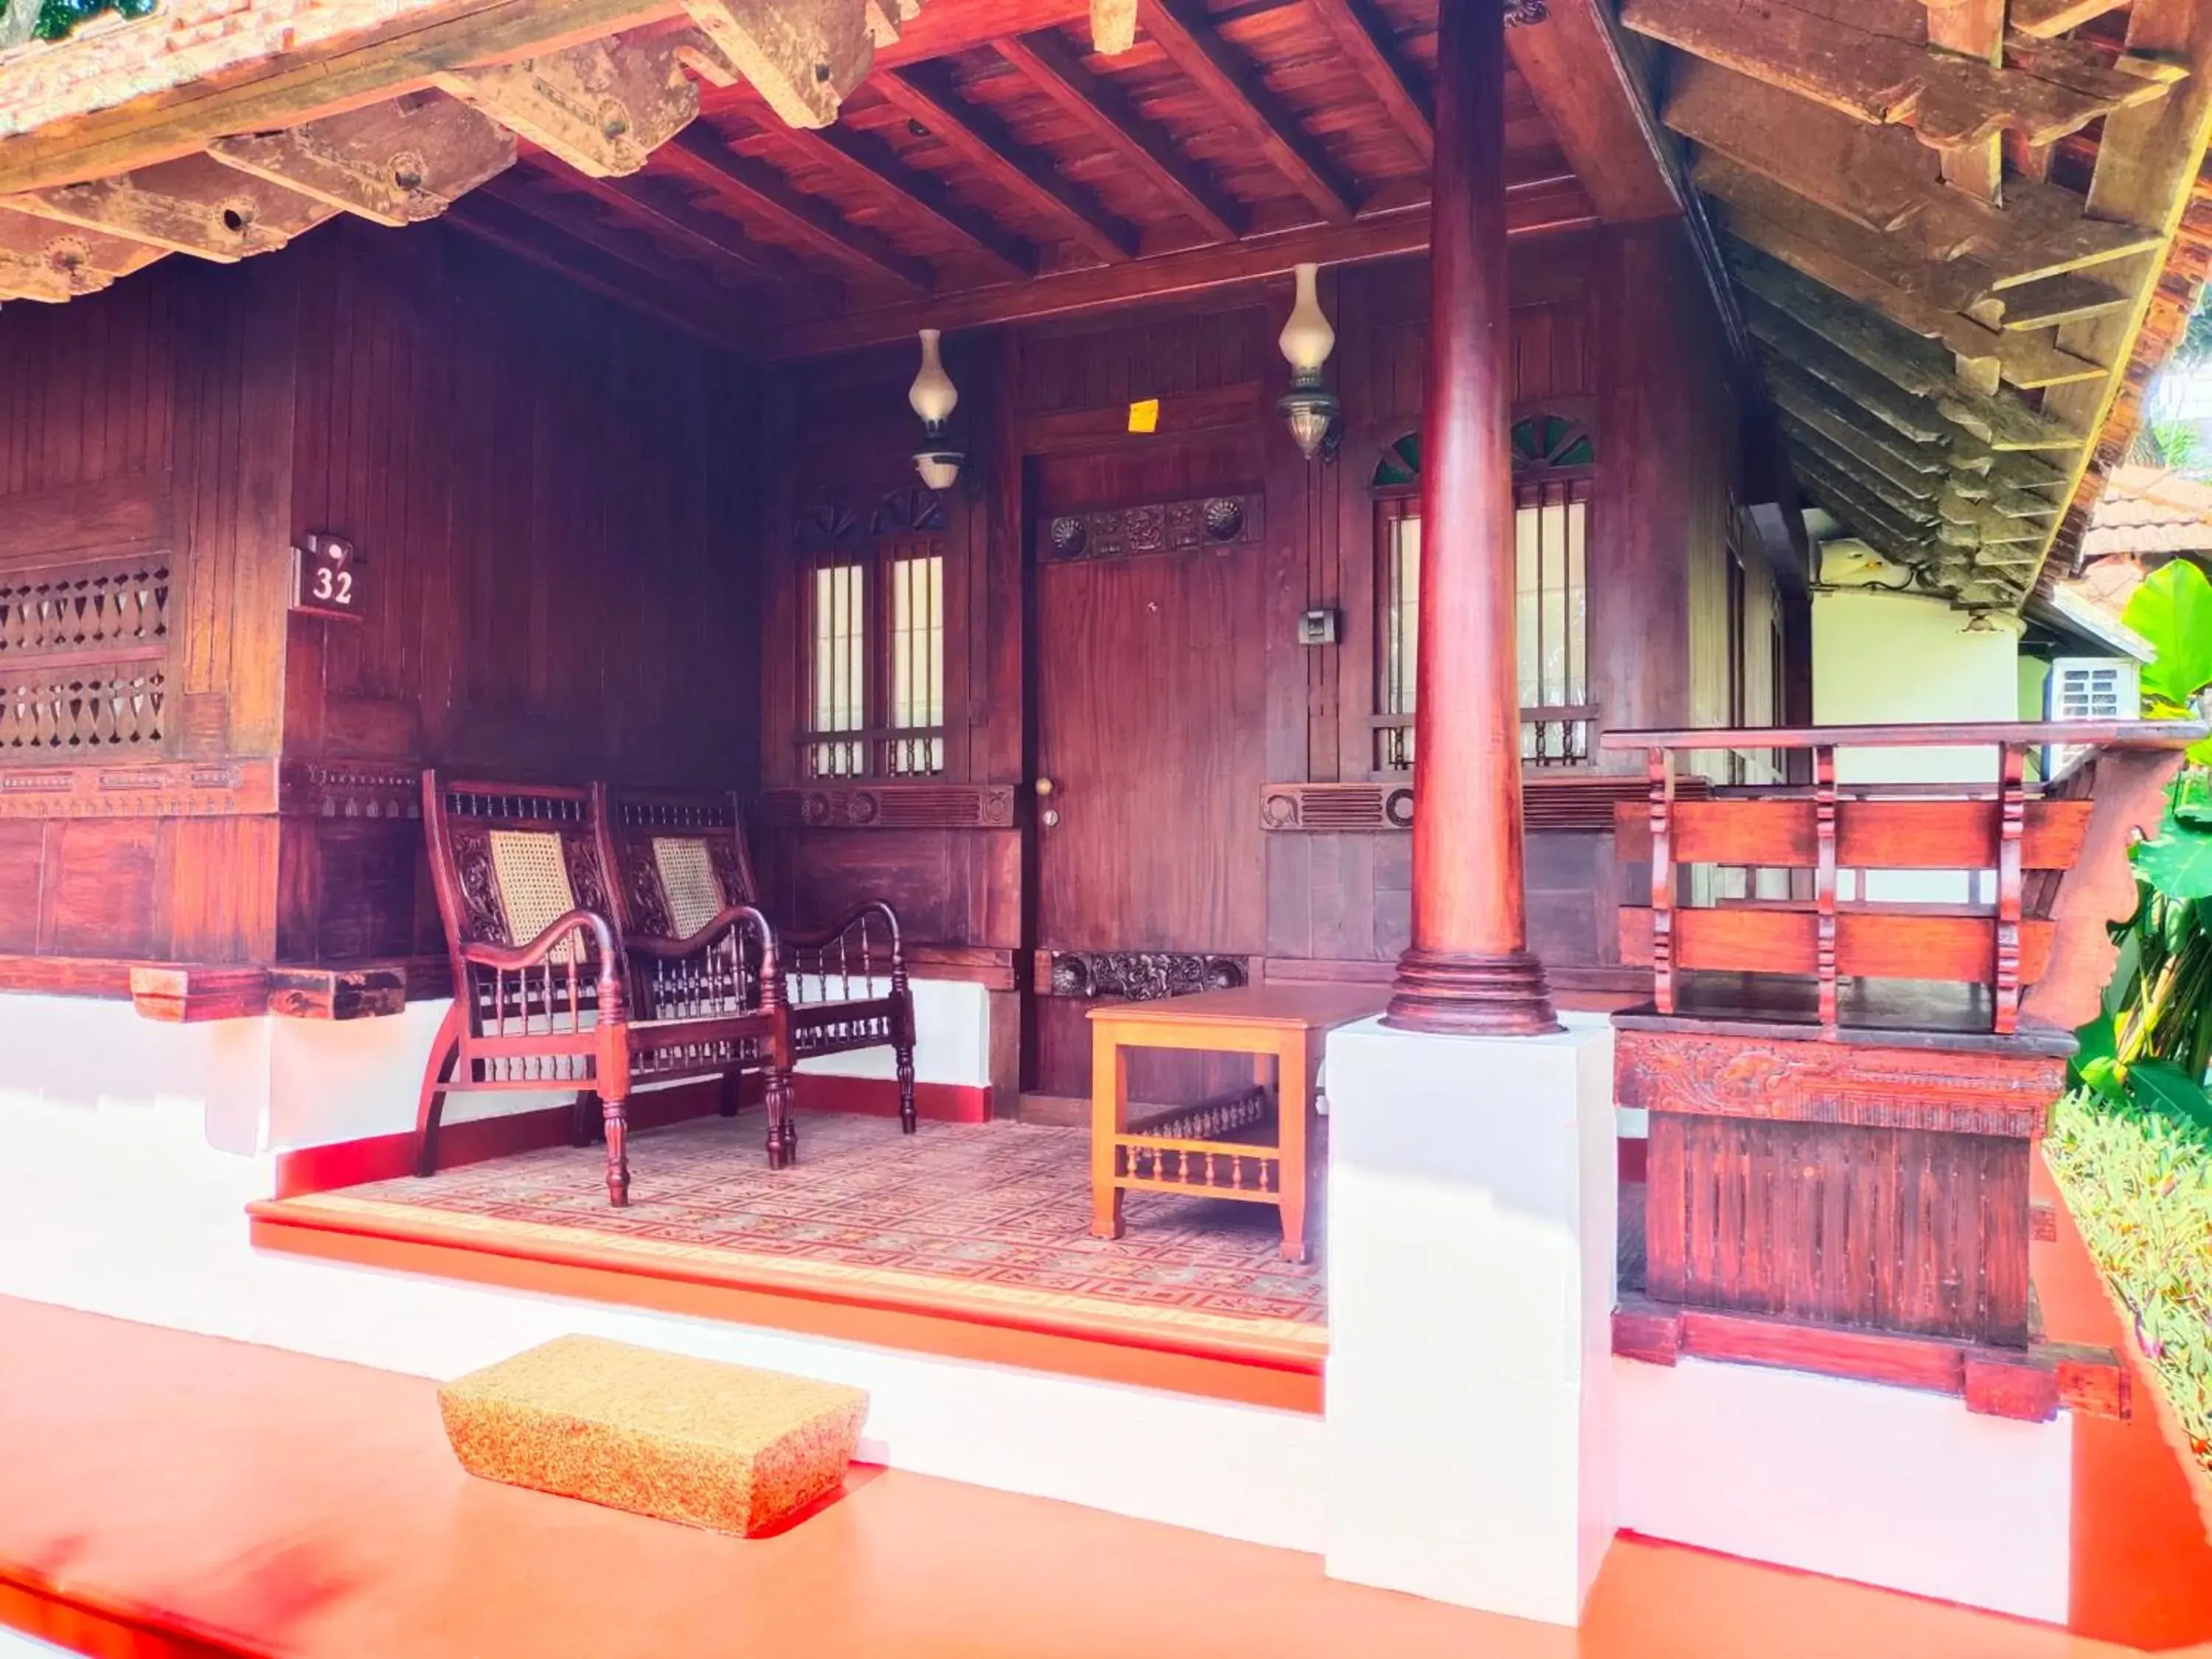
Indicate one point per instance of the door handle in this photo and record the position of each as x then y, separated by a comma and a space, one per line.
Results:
1050, 815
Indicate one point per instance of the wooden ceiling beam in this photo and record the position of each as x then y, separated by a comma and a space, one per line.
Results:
655, 206
1103, 110
1574, 69
1903, 507
694, 308
925, 94
283, 90
921, 194
702, 157
1363, 37
1181, 30
1164, 275
1879, 177
1949, 100
394, 163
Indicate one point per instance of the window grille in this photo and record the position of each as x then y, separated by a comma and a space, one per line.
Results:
1550, 555
875, 641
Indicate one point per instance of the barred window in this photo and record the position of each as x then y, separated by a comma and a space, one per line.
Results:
1552, 457
875, 643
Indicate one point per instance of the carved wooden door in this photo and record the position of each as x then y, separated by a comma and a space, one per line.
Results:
1150, 658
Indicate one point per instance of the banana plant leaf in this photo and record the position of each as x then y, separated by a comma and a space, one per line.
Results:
2178, 862
2172, 610
2164, 1086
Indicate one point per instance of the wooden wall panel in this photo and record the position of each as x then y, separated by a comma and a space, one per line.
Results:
1613, 328
553, 504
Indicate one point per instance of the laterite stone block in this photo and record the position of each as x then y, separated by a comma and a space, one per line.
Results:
696, 1440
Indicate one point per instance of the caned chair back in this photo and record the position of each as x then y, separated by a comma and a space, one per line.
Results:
507, 861
679, 859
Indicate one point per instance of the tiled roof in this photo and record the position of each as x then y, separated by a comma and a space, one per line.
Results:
2150, 509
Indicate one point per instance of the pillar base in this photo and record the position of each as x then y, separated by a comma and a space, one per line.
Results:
1474, 995
1473, 1196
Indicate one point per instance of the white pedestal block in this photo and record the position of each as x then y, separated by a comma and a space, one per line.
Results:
1473, 1202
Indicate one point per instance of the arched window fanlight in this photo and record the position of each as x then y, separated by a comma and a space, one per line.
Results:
1545, 441
1400, 464
1541, 443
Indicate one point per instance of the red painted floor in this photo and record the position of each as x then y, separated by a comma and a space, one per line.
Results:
249, 1500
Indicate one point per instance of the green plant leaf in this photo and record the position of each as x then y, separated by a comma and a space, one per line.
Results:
2097, 1043
2172, 610
2179, 863
2164, 1086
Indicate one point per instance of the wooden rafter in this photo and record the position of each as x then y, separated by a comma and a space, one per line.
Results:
1181, 31
658, 207
923, 93
1574, 70
1364, 37
282, 91
1950, 99
1907, 362
919, 195
2042, 19
703, 159
1102, 110
1163, 276
2024, 360
2148, 159
694, 307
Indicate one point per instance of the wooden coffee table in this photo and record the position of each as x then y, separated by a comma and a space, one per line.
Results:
1285, 1028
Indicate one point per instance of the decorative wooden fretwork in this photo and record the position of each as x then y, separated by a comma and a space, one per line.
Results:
1141, 976
84, 654
826, 525
1550, 443
1158, 527
1582, 802
911, 511
155, 789
351, 789
891, 806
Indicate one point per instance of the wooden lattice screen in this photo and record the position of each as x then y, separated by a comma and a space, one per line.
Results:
84, 652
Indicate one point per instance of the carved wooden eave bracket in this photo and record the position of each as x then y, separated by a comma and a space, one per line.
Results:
1945, 234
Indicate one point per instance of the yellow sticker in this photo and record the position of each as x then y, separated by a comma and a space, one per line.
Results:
1145, 415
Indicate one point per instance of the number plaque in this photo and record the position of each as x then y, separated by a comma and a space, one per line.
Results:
327, 578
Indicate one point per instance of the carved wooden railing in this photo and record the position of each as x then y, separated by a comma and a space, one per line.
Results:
1844, 1091
2019, 838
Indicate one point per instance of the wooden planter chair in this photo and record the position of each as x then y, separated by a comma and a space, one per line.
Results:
681, 856
548, 993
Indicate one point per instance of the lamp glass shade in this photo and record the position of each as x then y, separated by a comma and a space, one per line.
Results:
933, 394
1307, 339
939, 468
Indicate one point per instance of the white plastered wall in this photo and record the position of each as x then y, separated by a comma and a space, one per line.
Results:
1902, 659
147, 1141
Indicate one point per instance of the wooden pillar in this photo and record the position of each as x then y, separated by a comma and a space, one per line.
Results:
1468, 967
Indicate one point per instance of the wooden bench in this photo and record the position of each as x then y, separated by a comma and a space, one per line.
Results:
599, 940
680, 858
1844, 1092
